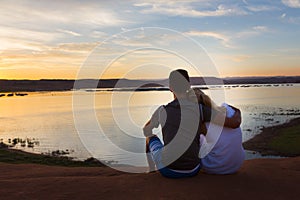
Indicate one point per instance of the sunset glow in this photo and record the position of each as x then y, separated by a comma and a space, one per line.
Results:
52, 39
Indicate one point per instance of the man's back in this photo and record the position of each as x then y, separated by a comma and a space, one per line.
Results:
182, 120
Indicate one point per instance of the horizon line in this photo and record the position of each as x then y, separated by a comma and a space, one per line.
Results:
227, 77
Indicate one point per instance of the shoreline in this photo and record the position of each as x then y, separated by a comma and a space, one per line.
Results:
16, 156
264, 141
259, 143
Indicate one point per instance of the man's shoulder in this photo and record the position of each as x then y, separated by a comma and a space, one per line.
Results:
173, 103
182, 102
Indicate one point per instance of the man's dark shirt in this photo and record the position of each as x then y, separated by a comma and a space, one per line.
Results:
173, 116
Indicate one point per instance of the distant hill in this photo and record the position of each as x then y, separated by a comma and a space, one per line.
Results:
62, 85
262, 80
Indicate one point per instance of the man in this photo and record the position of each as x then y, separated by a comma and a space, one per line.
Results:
181, 121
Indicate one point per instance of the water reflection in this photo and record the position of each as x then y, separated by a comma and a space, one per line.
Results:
48, 117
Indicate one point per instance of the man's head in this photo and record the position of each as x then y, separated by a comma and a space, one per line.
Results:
179, 81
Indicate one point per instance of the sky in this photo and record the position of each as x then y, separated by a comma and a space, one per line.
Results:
55, 39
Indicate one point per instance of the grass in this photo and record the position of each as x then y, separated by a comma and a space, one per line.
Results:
19, 157
288, 141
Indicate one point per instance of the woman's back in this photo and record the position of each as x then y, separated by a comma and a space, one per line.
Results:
227, 156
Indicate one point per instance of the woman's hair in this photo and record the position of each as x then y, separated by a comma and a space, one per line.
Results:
198, 96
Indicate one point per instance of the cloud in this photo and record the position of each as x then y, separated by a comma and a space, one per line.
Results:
84, 47
294, 20
289, 19
291, 3
283, 16
64, 55
141, 38
260, 28
69, 32
224, 39
240, 58
254, 31
17, 38
30, 25
53, 14
168, 2
27, 34
245, 2
207, 34
98, 34
261, 8
9, 43
187, 9
227, 40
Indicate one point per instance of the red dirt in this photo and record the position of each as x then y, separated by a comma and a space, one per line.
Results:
258, 179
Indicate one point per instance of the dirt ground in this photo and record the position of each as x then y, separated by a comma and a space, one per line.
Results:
257, 179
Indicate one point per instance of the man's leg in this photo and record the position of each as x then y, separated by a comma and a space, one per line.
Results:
151, 163
154, 147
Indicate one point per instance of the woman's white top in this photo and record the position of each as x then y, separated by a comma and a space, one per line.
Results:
227, 155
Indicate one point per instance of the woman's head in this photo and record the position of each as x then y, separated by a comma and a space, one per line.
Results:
198, 96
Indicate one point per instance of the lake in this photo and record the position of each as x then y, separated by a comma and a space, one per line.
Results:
46, 119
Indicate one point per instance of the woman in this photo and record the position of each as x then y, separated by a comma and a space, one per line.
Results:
227, 154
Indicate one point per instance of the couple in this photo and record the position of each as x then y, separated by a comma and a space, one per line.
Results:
188, 124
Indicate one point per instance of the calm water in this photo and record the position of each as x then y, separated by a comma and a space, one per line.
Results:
48, 117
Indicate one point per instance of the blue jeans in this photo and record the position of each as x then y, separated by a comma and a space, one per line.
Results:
155, 147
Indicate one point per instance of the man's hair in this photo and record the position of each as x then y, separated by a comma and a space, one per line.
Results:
179, 81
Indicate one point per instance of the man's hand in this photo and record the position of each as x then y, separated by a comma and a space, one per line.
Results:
147, 130
233, 122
